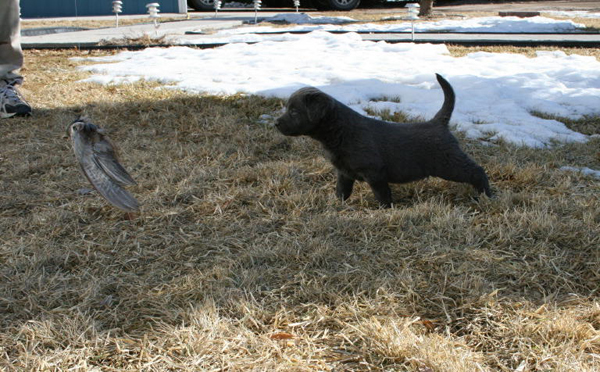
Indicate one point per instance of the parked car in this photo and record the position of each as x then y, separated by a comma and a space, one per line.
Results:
209, 5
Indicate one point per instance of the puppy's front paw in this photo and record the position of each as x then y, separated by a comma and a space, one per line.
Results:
343, 188
386, 205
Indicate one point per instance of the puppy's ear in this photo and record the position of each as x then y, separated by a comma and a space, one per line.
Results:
318, 105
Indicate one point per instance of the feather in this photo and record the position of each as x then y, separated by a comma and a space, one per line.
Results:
99, 163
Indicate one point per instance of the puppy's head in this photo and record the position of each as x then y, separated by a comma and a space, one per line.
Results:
305, 110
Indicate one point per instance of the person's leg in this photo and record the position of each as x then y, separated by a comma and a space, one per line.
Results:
11, 60
11, 56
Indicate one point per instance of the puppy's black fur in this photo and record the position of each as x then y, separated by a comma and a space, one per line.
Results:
380, 152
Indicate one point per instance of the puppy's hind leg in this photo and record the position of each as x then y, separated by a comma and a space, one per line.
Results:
480, 181
343, 188
382, 191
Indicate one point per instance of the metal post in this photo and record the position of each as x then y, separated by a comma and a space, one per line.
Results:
217, 6
153, 14
117, 7
257, 4
413, 15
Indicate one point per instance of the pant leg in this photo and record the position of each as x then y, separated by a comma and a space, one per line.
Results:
11, 55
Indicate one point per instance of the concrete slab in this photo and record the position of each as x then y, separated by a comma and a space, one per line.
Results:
525, 40
89, 38
168, 30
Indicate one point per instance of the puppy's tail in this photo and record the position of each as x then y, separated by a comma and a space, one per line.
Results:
443, 116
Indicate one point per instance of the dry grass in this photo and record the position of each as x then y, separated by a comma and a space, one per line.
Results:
145, 40
243, 260
461, 51
90, 22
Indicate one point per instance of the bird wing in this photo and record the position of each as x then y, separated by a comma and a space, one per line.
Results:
104, 172
106, 158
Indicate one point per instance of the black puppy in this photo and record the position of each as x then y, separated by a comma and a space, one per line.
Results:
380, 152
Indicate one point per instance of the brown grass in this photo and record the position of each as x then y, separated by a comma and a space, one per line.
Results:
145, 40
243, 260
90, 22
461, 51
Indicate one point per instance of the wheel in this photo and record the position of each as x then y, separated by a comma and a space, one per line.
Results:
278, 3
202, 5
342, 4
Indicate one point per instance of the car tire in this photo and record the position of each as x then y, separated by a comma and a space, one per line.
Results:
336, 4
202, 5
342, 4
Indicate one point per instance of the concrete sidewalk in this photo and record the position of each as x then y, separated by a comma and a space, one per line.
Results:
170, 31
486, 39
174, 32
